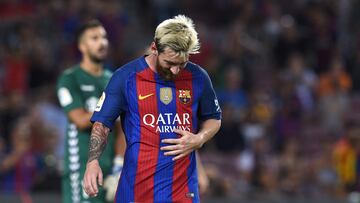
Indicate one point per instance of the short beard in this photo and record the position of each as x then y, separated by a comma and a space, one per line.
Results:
96, 59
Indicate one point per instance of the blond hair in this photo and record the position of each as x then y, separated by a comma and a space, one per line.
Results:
179, 34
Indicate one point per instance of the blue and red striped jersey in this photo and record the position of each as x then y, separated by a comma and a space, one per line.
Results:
150, 108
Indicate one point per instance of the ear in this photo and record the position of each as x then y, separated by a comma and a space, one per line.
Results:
81, 47
153, 48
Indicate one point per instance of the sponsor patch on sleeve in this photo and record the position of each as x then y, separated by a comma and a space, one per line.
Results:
217, 105
64, 96
100, 102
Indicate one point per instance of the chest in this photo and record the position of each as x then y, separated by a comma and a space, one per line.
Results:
90, 89
90, 86
164, 97
162, 106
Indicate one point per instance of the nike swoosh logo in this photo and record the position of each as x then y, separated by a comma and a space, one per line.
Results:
145, 96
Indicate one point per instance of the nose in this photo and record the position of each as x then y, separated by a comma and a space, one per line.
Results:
175, 69
104, 42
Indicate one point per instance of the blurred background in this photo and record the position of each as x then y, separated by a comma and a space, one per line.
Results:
287, 75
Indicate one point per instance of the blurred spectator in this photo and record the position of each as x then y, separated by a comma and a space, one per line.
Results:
51, 123
261, 108
256, 122
335, 81
272, 24
346, 161
219, 186
333, 91
257, 166
19, 166
291, 169
229, 138
287, 121
233, 94
305, 81
324, 171
289, 41
322, 33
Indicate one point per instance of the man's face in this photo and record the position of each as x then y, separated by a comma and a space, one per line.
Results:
94, 43
169, 64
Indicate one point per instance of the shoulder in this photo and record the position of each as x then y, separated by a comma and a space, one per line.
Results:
107, 73
68, 75
123, 74
128, 69
70, 71
197, 70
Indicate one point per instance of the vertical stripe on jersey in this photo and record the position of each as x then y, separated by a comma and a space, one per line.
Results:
180, 178
193, 178
131, 127
148, 152
165, 166
197, 85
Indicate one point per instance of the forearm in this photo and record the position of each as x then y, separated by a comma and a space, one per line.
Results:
98, 140
202, 176
80, 118
200, 166
85, 123
188, 142
208, 129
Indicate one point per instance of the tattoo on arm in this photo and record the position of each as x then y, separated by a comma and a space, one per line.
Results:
98, 140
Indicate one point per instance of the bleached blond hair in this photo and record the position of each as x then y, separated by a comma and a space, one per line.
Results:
179, 34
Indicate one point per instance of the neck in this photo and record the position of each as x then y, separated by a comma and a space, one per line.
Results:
91, 67
151, 61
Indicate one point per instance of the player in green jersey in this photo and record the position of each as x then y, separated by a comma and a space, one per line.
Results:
78, 89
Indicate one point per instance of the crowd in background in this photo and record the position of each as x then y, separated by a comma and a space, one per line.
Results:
287, 76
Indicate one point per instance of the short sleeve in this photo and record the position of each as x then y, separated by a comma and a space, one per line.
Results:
68, 93
209, 107
112, 101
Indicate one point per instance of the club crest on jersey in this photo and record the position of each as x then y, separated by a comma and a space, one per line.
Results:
166, 95
184, 96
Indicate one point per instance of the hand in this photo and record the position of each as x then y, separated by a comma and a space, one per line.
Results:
180, 147
111, 181
110, 185
93, 176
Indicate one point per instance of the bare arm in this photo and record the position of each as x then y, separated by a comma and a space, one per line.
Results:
93, 174
208, 129
98, 141
202, 176
80, 118
113, 178
189, 142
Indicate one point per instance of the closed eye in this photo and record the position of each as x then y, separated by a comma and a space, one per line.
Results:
175, 64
